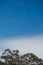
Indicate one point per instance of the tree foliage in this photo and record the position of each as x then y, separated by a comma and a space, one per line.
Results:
12, 57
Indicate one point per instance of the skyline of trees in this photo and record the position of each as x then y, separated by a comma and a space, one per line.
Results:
12, 57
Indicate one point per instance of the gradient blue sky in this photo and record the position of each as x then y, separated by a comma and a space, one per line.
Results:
21, 26
21, 18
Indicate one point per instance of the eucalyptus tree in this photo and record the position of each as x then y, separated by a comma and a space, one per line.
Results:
12, 57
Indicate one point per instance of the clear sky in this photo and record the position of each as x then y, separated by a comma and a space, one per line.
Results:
21, 18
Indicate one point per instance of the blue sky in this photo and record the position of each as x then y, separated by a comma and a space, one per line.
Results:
21, 18
21, 25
